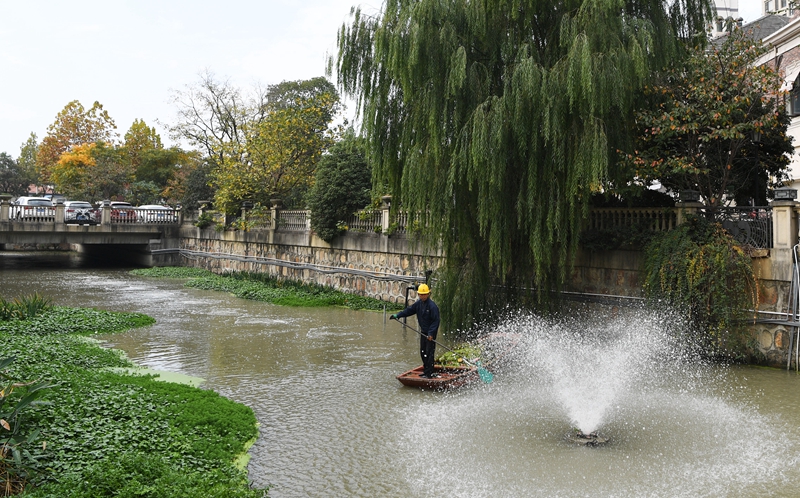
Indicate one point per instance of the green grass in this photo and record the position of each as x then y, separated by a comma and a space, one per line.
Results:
262, 287
171, 272
116, 435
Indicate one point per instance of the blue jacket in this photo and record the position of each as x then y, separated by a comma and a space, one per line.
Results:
427, 316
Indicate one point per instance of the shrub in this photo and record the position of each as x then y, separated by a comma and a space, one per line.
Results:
19, 456
204, 220
699, 268
24, 308
342, 186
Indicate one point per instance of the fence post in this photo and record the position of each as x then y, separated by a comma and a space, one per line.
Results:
5, 207
688, 205
273, 212
60, 214
246, 206
784, 224
105, 214
386, 201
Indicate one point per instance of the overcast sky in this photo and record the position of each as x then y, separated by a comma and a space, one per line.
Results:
131, 55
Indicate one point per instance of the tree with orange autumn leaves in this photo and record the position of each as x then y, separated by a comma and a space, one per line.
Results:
81, 158
715, 124
74, 126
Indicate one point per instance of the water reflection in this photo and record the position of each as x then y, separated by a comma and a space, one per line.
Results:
334, 421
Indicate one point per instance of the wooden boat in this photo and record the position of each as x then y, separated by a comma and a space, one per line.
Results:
448, 377
497, 347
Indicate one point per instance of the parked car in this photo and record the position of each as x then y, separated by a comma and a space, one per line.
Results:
153, 213
54, 198
80, 212
123, 212
32, 209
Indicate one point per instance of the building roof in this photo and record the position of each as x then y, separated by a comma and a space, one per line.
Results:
761, 27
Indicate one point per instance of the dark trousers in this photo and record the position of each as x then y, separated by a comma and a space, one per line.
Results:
427, 350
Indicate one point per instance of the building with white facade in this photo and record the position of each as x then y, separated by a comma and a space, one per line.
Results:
786, 8
727, 14
782, 35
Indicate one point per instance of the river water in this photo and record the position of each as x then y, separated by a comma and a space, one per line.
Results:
335, 422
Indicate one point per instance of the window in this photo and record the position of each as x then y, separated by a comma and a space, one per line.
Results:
783, 4
794, 99
766, 7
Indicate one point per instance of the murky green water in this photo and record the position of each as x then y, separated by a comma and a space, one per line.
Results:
335, 422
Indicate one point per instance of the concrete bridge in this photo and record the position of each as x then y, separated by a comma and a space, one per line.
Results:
138, 232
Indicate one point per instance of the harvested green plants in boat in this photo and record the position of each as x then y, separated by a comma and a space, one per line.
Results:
454, 358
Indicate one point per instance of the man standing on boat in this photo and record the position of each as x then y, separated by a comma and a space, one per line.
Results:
428, 318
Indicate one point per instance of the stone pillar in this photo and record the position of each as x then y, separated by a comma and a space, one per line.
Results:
60, 212
385, 208
246, 206
274, 212
784, 224
688, 205
5, 207
105, 215
784, 233
202, 206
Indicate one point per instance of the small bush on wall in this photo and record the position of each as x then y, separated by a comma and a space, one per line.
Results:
699, 268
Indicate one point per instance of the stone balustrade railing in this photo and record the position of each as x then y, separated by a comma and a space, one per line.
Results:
104, 215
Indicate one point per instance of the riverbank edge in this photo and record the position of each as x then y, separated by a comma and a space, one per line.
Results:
12, 344
265, 288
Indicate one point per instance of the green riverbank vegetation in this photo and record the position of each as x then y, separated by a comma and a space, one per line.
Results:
262, 287
70, 427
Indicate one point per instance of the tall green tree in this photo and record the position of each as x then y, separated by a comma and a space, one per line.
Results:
13, 179
342, 186
496, 117
140, 139
194, 184
714, 123
27, 158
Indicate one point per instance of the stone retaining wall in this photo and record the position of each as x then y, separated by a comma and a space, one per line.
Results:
369, 264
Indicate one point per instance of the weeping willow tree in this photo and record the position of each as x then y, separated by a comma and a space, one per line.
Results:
496, 118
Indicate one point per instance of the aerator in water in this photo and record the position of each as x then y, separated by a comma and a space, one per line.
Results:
591, 439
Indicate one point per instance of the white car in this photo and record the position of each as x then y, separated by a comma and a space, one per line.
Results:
80, 212
153, 213
33, 209
123, 212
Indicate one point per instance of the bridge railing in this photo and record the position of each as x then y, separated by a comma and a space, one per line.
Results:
104, 215
32, 214
163, 216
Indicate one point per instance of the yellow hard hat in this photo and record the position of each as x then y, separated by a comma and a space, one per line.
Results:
423, 289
